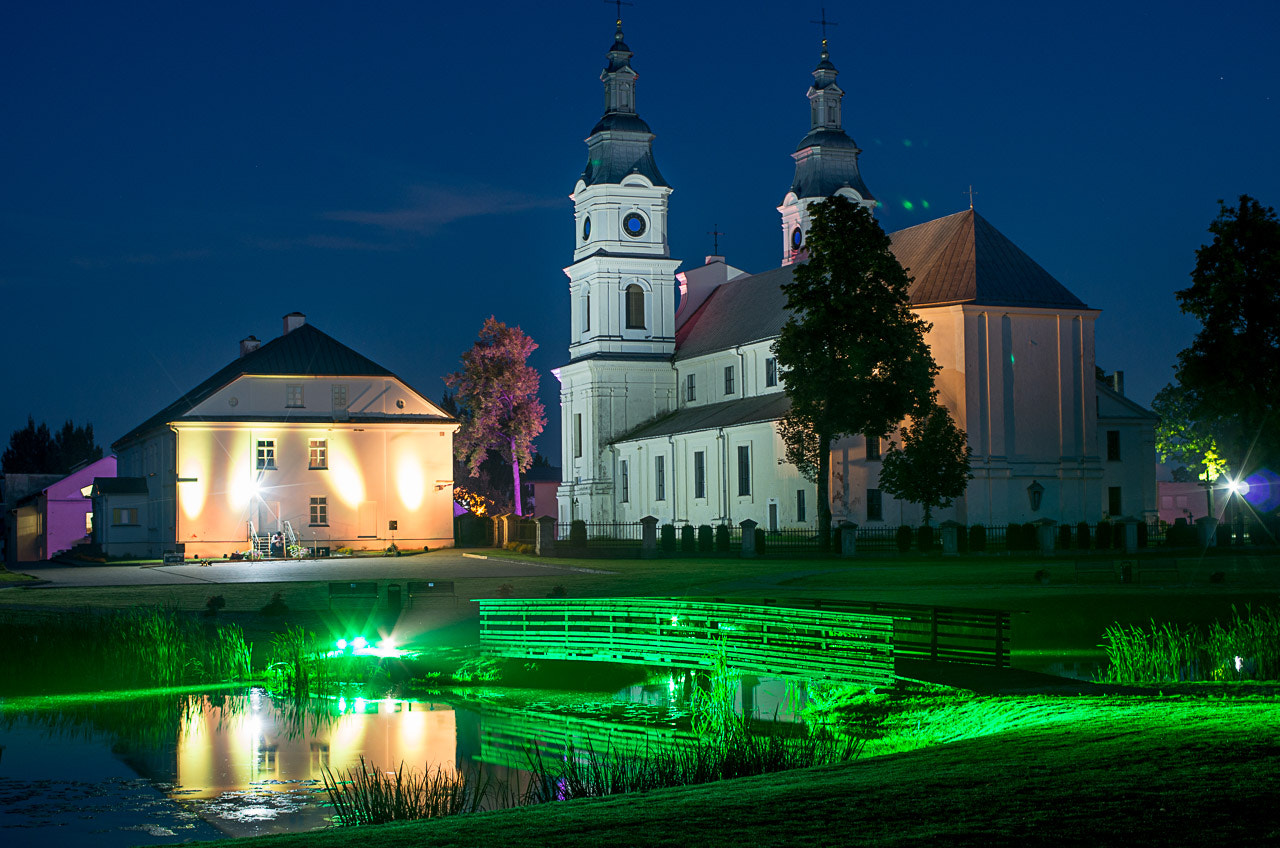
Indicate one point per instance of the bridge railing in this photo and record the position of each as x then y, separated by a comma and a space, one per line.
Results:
826, 644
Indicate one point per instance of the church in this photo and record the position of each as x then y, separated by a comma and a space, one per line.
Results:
672, 392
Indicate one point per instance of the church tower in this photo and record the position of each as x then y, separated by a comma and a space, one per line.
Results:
622, 296
826, 161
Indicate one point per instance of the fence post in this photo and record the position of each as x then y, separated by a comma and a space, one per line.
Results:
848, 539
648, 537
748, 538
1047, 536
951, 538
545, 543
1130, 534
1207, 531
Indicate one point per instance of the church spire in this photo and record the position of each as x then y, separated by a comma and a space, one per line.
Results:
620, 143
619, 79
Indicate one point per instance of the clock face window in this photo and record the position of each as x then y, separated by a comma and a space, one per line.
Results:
797, 238
634, 225
586, 228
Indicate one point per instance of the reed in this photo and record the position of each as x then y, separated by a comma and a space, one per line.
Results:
1246, 647
367, 795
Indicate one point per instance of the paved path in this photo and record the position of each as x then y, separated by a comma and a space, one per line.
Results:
442, 565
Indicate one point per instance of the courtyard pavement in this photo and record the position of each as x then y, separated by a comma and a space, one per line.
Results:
439, 565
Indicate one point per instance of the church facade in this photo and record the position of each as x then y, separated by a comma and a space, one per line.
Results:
670, 399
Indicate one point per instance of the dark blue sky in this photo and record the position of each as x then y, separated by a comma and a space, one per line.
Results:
178, 177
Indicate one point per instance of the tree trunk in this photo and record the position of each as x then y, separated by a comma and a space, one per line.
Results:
824, 493
515, 475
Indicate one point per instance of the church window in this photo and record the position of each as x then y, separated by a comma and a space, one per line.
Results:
744, 469
728, 379
1113, 445
293, 396
320, 512
635, 307
267, 454
659, 478
1115, 507
577, 434
339, 393
586, 227
800, 505
699, 474
318, 454
797, 239
690, 388
875, 505
873, 447
624, 482
771, 372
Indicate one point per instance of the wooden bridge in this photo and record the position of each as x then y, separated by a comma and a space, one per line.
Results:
822, 644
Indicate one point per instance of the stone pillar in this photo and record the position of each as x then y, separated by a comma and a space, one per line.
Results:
1130, 534
748, 538
951, 537
848, 539
499, 530
546, 539
1207, 531
648, 537
1047, 535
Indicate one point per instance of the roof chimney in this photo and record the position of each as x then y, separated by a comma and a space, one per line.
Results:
248, 346
293, 321
1117, 382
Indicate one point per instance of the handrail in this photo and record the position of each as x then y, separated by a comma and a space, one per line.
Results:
291, 538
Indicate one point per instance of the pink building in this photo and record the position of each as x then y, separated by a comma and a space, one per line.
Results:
59, 516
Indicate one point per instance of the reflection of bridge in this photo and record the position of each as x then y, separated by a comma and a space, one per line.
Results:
850, 647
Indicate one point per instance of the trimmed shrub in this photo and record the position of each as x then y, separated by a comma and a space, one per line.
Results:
1064, 537
687, 543
904, 539
705, 541
722, 539
1180, 535
978, 539
578, 533
1104, 535
962, 540
1142, 535
760, 540
924, 538
667, 538
1117, 536
1082, 536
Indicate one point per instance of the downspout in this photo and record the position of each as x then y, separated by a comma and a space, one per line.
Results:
724, 478
671, 442
613, 451
742, 369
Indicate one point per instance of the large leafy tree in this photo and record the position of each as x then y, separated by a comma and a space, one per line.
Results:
1182, 439
853, 354
497, 395
1227, 378
932, 466
35, 450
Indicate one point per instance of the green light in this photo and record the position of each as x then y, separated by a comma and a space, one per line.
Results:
359, 643
925, 204
1011, 359
342, 644
675, 619
906, 142
907, 204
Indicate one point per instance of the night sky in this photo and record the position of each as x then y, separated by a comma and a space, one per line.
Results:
178, 177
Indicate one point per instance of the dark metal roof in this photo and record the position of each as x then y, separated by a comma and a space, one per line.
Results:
304, 352
957, 259
120, 485
615, 153
830, 164
730, 413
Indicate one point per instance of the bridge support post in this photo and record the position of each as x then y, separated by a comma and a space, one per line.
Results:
748, 538
648, 537
848, 539
546, 538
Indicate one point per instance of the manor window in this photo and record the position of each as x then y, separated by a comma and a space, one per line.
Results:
875, 505
873, 447
771, 372
659, 478
320, 512
1113, 445
318, 454
267, 454
293, 396
728, 379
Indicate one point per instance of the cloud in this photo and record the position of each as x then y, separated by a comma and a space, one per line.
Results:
430, 208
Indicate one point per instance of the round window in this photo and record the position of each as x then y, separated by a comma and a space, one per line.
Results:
586, 228
797, 238
634, 225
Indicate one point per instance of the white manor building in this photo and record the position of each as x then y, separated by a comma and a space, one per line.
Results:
671, 412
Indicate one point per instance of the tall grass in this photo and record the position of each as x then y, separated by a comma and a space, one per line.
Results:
135, 648
366, 795
1247, 647
300, 666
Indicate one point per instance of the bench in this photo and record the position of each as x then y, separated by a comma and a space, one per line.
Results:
1095, 568
360, 593
1157, 566
431, 589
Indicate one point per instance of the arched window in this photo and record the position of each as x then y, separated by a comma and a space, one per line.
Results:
635, 307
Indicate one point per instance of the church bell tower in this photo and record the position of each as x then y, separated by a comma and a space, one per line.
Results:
622, 297
826, 161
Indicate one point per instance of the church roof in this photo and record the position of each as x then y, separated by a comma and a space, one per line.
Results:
957, 259
303, 352
711, 416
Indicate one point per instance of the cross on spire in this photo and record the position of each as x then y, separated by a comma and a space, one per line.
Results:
971, 193
619, 4
715, 239
825, 23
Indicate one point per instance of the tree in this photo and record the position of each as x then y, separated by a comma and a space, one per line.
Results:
1228, 376
497, 394
853, 354
1182, 439
34, 450
932, 466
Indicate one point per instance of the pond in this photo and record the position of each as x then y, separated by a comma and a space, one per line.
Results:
141, 769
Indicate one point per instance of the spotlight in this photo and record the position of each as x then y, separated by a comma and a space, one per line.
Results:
342, 644
359, 643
